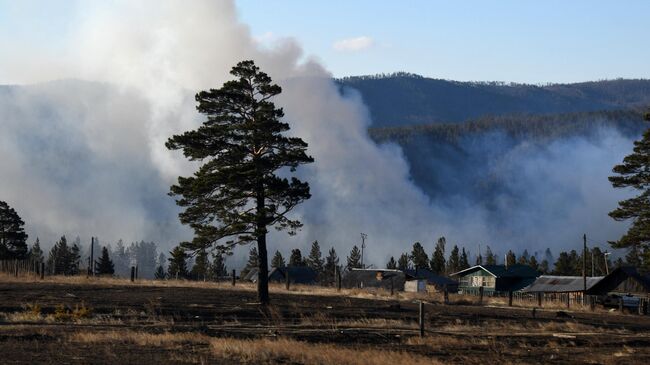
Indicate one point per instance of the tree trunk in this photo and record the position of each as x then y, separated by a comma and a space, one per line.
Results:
263, 274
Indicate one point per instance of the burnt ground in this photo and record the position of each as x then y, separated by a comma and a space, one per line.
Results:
462, 334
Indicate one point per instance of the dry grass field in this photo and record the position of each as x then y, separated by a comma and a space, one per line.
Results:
110, 321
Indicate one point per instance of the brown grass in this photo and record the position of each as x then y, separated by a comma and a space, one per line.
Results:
139, 338
266, 351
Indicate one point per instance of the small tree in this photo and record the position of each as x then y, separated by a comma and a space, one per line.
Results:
218, 267
532, 262
104, 265
354, 260
201, 265
453, 264
490, 258
464, 260
13, 239
160, 273
511, 259
278, 260
253, 261
419, 257
296, 259
315, 260
58, 260
438, 262
36, 253
331, 266
392, 264
404, 262
178, 263
236, 193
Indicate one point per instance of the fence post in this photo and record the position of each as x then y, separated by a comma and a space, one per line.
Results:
233, 277
421, 319
480, 295
136, 272
539, 299
392, 287
42, 270
338, 280
620, 305
288, 280
133, 273
510, 298
446, 294
592, 303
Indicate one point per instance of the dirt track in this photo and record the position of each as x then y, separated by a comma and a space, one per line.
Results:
473, 334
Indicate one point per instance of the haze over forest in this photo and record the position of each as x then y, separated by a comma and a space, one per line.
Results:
400, 157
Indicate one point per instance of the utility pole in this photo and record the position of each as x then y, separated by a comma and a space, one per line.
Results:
363, 246
592, 263
605, 254
584, 264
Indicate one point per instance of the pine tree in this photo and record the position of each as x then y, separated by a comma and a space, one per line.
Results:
278, 260
523, 259
404, 262
563, 266
354, 260
633, 173
236, 194
511, 259
438, 263
391, 264
13, 239
633, 257
453, 264
544, 267
201, 266
296, 260
104, 265
315, 260
74, 260
464, 260
178, 263
58, 260
419, 257
160, 273
331, 266
218, 268
36, 253
533, 263
490, 258
479, 259
253, 261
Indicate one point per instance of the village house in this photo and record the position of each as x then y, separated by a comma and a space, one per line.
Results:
495, 279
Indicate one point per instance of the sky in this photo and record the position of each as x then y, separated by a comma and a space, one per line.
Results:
512, 41
519, 41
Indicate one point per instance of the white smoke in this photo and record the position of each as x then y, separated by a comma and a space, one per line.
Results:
158, 54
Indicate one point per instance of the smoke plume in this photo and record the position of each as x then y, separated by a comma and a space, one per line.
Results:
86, 155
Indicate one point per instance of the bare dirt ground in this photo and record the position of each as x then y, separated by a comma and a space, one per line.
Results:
77, 322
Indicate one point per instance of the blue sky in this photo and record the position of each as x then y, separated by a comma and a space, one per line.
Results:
522, 41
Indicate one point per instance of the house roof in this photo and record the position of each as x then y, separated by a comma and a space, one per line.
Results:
431, 277
615, 278
370, 278
561, 284
498, 271
297, 274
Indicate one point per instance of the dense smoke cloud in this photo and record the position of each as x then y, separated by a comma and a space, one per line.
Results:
89, 158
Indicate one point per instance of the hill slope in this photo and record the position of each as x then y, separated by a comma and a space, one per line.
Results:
407, 99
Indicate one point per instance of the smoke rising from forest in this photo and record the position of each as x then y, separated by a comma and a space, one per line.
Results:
89, 158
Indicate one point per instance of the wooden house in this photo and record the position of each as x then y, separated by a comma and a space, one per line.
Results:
495, 279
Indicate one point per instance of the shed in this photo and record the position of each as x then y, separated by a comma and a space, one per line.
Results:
297, 275
623, 280
415, 286
437, 281
560, 284
495, 278
374, 278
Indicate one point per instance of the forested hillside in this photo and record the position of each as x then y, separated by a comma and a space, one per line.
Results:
406, 99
